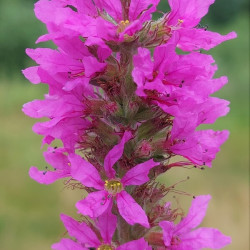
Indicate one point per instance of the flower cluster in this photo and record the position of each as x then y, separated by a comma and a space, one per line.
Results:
124, 102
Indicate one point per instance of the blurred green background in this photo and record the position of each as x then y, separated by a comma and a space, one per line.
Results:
29, 212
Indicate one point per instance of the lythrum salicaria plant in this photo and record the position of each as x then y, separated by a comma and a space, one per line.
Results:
124, 103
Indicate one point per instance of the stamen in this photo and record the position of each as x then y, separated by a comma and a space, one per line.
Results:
105, 247
113, 187
122, 25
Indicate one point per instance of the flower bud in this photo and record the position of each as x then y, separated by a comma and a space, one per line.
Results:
144, 149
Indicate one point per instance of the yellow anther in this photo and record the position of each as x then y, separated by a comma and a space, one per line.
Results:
122, 26
113, 186
180, 21
105, 247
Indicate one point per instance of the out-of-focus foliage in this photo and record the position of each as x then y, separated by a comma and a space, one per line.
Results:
224, 11
19, 28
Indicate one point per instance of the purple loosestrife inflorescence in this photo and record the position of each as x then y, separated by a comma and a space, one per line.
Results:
124, 103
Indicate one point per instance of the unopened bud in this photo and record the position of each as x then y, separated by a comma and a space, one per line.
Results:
111, 107
144, 149
131, 109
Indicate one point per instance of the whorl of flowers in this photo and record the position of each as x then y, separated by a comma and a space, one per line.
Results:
124, 103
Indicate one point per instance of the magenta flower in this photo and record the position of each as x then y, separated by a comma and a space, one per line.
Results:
86, 237
58, 160
186, 15
182, 236
102, 19
64, 110
69, 63
96, 203
200, 147
180, 84
67, 72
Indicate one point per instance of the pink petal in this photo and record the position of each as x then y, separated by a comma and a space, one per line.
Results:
56, 127
201, 146
115, 154
138, 175
103, 50
32, 108
143, 69
92, 65
140, 244
130, 210
205, 88
48, 140
107, 225
85, 172
86, 7
138, 6
157, 85
94, 204
183, 127
142, 61
195, 39
77, 25
52, 60
43, 10
165, 55
212, 109
72, 46
168, 231
190, 11
190, 67
47, 37
32, 75
67, 244
53, 106
195, 215
70, 85
46, 11
57, 158
80, 231
47, 177
145, 15
204, 238
114, 9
